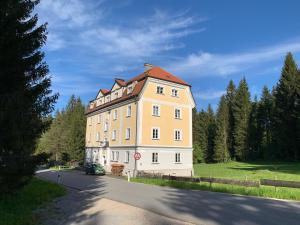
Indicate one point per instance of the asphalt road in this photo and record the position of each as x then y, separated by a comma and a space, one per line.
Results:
198, 207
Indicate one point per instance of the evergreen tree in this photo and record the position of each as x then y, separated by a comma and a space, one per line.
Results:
221, 153
264, 120
254, 133
211, 131
197, 151
25, 95
66, 137
76, 123
202, 140
286, 113
230, 95
241, 112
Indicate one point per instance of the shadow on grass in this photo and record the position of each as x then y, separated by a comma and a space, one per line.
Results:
289, 168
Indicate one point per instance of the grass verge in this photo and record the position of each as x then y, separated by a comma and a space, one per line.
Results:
262, 191
250, 170
17, 208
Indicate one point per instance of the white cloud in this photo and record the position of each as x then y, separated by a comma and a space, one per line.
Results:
67, 13
54, 42
84, 25
153, 35
208, 64
209, 94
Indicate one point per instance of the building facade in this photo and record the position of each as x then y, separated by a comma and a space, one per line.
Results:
150, 114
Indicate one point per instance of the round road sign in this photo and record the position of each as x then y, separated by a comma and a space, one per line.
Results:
137, 156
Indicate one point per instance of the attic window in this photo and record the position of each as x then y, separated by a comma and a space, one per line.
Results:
129, 89
116, 94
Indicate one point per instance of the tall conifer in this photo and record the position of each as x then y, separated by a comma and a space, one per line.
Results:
25, 95
241, 112
221, 153
286, 113
230, 95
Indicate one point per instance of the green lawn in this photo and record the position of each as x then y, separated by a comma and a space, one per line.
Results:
240, 171
17, 209
250, 171
262, 191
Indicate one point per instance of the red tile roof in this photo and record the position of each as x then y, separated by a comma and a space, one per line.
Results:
120, 82
137, 89
104, 91
159, 73
155, 72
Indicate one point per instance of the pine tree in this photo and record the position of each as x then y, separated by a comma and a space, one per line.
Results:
286, 113
76, 123
202, 141
265, 123
230, 95
197, 151
254, 133
241, 112
211, 131
221, 153
66, 137
25, 95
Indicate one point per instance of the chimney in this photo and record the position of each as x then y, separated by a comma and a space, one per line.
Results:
148, 66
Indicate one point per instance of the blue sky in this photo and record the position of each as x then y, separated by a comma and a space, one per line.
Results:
206, 43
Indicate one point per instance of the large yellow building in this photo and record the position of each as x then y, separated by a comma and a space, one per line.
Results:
150, 114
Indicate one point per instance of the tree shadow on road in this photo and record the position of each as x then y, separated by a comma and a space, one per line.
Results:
82, 193
219, 208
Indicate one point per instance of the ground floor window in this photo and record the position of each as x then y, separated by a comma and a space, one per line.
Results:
127, 153
114, 156
177, 157
154, 157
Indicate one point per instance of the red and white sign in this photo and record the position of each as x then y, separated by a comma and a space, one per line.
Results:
137, 156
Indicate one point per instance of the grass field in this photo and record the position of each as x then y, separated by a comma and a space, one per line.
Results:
17, 209
240, 171
262, 191
250, 171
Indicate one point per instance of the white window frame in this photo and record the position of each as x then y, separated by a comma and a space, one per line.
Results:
176, 135
154, 157
158, 110
174, 92
160, 89
127, 156
175, 115
117, 156
89, 137
127, 133
99, 118
129, 111
115, 117
98, 136
106, 126
116, 95
177, 157
114, 135
112, 155
129, 89
158, 133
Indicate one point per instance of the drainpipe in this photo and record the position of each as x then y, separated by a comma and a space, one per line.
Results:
136, 132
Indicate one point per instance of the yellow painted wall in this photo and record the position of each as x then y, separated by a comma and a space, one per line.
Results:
150, 92
166, 121
127, 122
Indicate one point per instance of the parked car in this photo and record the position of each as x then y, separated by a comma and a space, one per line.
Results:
95, 169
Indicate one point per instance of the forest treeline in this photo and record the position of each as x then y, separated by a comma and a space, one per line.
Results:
244, 129
64, 141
